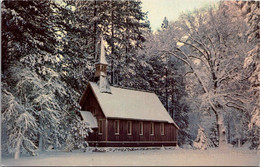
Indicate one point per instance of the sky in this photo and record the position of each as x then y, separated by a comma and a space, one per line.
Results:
158, 9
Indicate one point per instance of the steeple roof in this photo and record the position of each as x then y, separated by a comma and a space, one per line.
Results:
101, 70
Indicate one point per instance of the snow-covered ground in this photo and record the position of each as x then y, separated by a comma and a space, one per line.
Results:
163, 157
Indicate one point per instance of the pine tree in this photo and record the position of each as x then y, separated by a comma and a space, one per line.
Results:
252, 63
202, 142
127, 22
165, 23
29, 47
122, 24
18, 125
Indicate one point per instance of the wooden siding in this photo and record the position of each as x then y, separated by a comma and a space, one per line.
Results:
109, 138
169, 135
91, 104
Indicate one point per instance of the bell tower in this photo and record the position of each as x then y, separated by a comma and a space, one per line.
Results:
101, 70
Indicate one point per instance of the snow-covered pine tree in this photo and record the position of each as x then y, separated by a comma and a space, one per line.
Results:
250, 11
42, 95
127, 22
165, 23
202, 141
122, 24
78, 132
76, 53
29, 65
181, 118
18, 125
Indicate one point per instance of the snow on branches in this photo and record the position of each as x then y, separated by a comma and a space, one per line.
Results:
76, 139
19, 123
202, 142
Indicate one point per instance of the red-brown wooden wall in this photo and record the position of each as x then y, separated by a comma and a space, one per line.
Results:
109, 138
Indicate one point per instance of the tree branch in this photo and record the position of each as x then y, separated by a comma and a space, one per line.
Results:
191, 67
236, 106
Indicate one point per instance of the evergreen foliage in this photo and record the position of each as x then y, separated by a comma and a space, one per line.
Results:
48, 53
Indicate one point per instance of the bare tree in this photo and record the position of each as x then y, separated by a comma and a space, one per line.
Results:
212, 44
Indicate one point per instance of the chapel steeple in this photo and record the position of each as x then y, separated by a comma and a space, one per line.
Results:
101, 70
101, 65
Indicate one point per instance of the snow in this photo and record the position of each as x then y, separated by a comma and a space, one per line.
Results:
153, 157
102, 54
89, 118
104, 86
131, 104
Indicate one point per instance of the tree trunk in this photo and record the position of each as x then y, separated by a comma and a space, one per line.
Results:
258, 149
166, 88
40, 142
173, 106
173, 98
112, 72
41, 136
238, 142
112, 51
219, 116
221, 130
228, 135
95, 32
17, 150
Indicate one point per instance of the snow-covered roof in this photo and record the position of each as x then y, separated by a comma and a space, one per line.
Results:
104, 86
89, 118
131, 104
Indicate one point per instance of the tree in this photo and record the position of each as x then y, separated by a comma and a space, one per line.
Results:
127, 27
148, 70
165, 23
209, 49
77, 137
18, 124
22, 30
252, 61
202, 141
29, 47
49, 49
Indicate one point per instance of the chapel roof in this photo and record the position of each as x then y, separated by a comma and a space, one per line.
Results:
124, 103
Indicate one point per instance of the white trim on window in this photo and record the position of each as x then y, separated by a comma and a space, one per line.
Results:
116, 127
152, 129
141, 128
100, 126
162, 129
94, 111
129, 127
